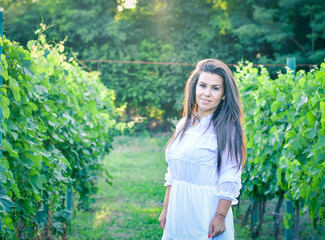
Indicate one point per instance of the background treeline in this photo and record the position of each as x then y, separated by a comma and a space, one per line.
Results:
58, 120
264, 32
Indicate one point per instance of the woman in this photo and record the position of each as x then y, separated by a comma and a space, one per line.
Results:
205, 158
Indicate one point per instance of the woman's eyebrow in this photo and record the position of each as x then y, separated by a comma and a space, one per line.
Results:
202, 81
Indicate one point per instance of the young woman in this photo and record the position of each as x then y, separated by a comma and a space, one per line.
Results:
205, 158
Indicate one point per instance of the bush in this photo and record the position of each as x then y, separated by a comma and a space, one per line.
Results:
285, 130
58, 124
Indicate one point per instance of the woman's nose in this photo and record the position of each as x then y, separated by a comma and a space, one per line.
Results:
207, 91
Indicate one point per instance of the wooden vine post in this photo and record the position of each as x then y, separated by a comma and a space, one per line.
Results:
289, 209
291, 64
1, 51
254, 219
69, 198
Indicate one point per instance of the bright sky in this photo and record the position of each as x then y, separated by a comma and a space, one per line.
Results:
127, 4
130, 3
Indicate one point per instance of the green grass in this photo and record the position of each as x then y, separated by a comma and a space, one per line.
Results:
129, 209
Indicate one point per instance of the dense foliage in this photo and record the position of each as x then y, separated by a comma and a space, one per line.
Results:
285, 129
58, 124
172, 31
58, 119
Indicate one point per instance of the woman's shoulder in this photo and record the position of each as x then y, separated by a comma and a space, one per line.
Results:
180, 124
181, 121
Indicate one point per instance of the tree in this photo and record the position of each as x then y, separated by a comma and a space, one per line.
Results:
172, 31
269, 31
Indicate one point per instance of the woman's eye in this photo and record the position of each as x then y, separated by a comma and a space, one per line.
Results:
202, 85
215, 88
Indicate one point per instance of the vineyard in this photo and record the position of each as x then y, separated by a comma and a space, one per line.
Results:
285, 130
58, 123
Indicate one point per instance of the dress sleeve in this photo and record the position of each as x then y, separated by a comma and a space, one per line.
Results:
179, 125
168, 176
229, 182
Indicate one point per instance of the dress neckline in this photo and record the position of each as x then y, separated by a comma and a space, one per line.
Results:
203, 120
206, 118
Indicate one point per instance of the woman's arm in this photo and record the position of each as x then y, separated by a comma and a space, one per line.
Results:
163, 215
229, 184
217, 224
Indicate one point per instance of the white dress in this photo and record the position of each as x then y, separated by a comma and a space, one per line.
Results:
196, 186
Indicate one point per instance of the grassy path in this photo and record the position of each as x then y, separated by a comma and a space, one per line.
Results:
130, 208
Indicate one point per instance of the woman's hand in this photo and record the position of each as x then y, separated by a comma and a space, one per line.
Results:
217, 226
163, 215
162, 218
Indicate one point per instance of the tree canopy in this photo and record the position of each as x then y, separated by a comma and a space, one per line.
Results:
175, 31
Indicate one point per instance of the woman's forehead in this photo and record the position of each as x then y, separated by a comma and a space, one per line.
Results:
210, 78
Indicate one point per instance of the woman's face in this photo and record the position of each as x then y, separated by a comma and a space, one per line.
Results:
209, 93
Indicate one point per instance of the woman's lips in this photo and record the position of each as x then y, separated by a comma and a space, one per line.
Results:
205, 100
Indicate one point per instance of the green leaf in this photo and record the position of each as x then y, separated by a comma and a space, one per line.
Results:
274, 130
27, 70
287, 220
14, 135
322, 107
311, 118
8, 147
3, 72
36, 158
14, 86
320, 143
314, 206
275, 106
311, 133
28, 163
5, 112
8, 222
15, 189
58, 175
4, 101
56, 137
32, 106
13, 127
41, 89
37, 184
3, 68
303, 99
3, 177
41, 217
4, 61
6, 204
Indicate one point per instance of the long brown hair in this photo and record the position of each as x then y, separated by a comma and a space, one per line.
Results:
226, 119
